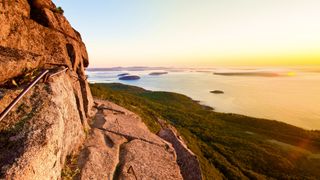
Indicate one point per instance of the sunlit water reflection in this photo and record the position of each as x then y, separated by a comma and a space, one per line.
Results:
291, 99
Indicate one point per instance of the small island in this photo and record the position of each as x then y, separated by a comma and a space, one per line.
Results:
123, 74
157, 73
129, 78
217, 92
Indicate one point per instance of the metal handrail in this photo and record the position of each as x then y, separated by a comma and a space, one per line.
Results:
59, 72
19, 97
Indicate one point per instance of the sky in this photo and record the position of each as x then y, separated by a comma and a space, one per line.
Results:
197, 33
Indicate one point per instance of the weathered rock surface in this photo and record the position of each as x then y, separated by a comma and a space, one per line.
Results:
12, 59
42, 4
49, 122
142, 160
99, 158
35, 36
120, 146
45, 34
52, 131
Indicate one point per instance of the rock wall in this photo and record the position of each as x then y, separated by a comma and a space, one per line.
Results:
52, 132
50, 122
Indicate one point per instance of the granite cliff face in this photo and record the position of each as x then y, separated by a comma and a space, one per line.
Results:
58, 118
50, 122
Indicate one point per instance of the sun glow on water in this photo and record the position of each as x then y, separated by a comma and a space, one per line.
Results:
291, 74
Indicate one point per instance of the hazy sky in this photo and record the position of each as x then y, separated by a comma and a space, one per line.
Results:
197, 32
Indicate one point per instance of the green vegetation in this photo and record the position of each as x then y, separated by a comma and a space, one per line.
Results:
70, 170
59, 10
234, 146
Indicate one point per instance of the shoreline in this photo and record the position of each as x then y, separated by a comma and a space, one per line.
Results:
211, 108
218, 137
260, 97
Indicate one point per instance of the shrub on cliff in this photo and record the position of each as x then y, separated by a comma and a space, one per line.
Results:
59, 10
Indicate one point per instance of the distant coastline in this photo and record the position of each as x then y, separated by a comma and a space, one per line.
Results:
263, 74
133, 68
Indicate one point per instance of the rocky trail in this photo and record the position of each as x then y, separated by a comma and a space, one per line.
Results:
120, 146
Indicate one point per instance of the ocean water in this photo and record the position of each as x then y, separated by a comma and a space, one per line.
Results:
289, 96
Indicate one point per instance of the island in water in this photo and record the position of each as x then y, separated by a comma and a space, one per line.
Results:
129, 78
123, 74
157, 73
217, 92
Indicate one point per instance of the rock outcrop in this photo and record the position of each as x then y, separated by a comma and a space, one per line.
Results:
57, 118
50, 122
187, 160
52, 131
